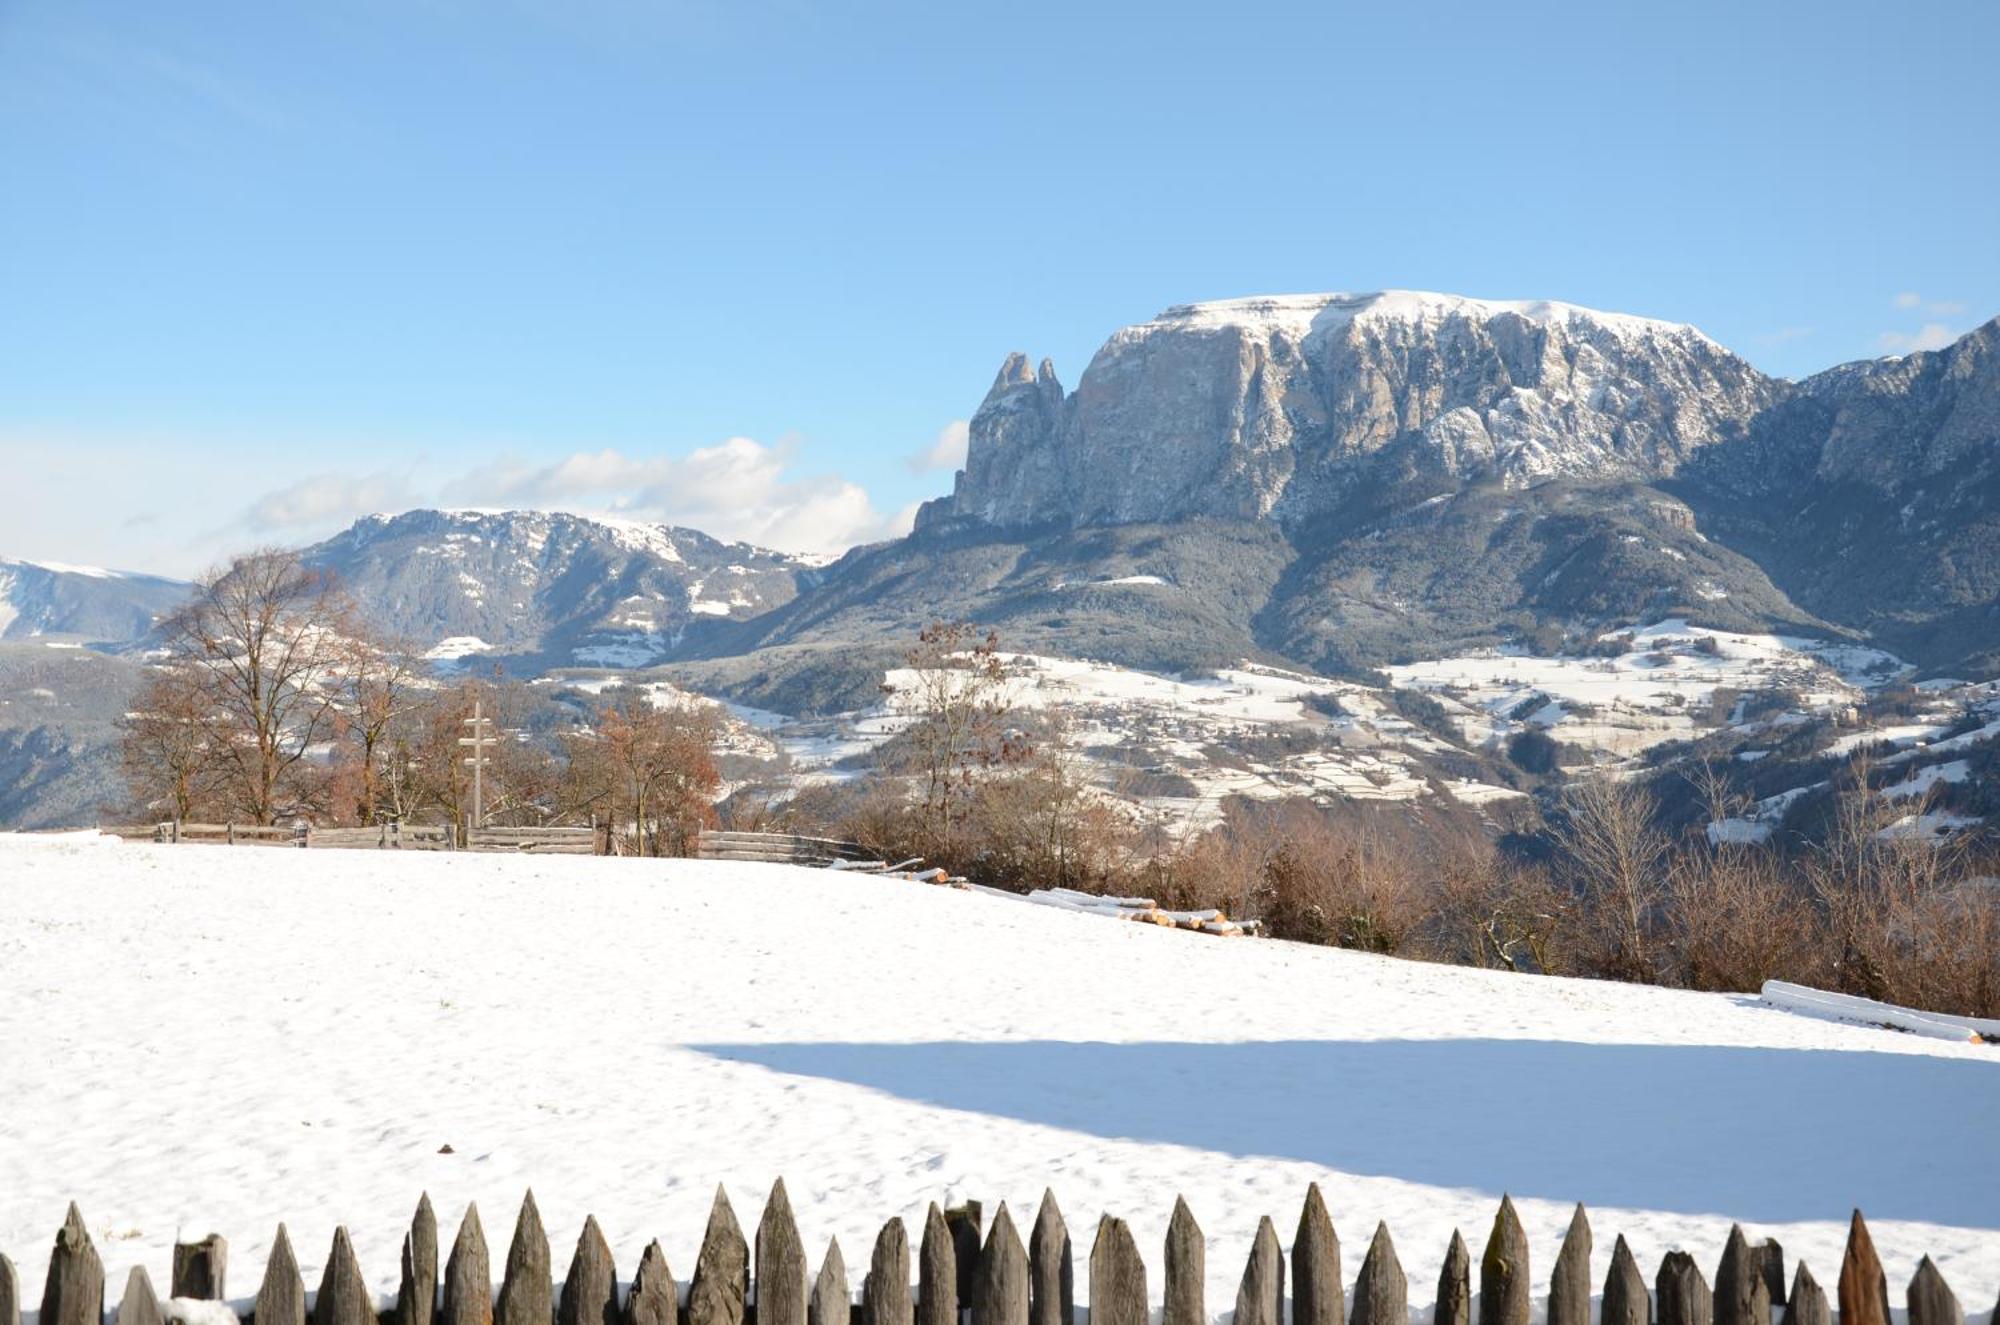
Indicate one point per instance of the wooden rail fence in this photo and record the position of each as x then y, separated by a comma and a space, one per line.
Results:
780, 848
585, 841
540, 841
964, 1277
387, 836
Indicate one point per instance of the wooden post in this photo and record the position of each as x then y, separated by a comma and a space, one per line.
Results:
200, 1268
140, 1305
1117, 1277
1000, 1287
1930, 1299
1569, 1286
229, 835
1186, 1269
525, 1287
1626, 1301
480, 739
305, 834
937, 1272
590, 1289
1504, 1286
830, 1304
1381, 1293
1864, 1289
416, 1293
721, 1270
964, 1222
1684, 1297
1260, 1298
781, 1263
1770, 1254
1318, 1297
1806, 1304
655, 1297
885, 1292
1454, 1299
1741, 1296
468, 1276
1051, 1268
10, 1293
343, 1298
73, 1294
281, 1298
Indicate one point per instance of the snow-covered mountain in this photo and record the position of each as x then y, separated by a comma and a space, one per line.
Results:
101, 606
549, 589
1345, 487
1281, 406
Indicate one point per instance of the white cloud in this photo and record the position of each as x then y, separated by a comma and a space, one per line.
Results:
739, 489
946, 451
1934, 307
323, 500
1934, 334
1930, 336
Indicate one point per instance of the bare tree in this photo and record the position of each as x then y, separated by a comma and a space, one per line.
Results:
1720, 800
265, 641
958, 691
1045, 825
169, 743
1617, 858
652, 766
384, 682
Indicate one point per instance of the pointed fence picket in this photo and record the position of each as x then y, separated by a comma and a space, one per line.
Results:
964, 1280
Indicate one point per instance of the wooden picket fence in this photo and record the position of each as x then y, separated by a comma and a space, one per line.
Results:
966, 1276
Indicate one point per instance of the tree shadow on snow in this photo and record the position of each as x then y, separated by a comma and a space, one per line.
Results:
1765, 1135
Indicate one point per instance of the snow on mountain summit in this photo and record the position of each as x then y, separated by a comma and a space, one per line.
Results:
1302, 314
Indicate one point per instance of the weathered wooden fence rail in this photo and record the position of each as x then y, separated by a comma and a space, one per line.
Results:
584, 841
964, 1277
540, 841
780, 848
390, 836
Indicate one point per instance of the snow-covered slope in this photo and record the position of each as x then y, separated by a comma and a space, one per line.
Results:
1176, 747
211, 1039
87, 602
1647, 686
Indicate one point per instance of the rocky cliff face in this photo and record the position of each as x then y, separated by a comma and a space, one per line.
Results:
1872, 495
1248, 408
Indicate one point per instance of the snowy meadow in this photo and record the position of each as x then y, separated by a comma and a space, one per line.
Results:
205, 1040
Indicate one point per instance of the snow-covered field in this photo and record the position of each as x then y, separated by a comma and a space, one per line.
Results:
1122, 720
205, 1039
1651, 692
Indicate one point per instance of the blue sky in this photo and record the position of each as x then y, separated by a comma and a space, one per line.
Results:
266, 267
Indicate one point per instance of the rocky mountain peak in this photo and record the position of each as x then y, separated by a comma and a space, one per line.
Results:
1279, 405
